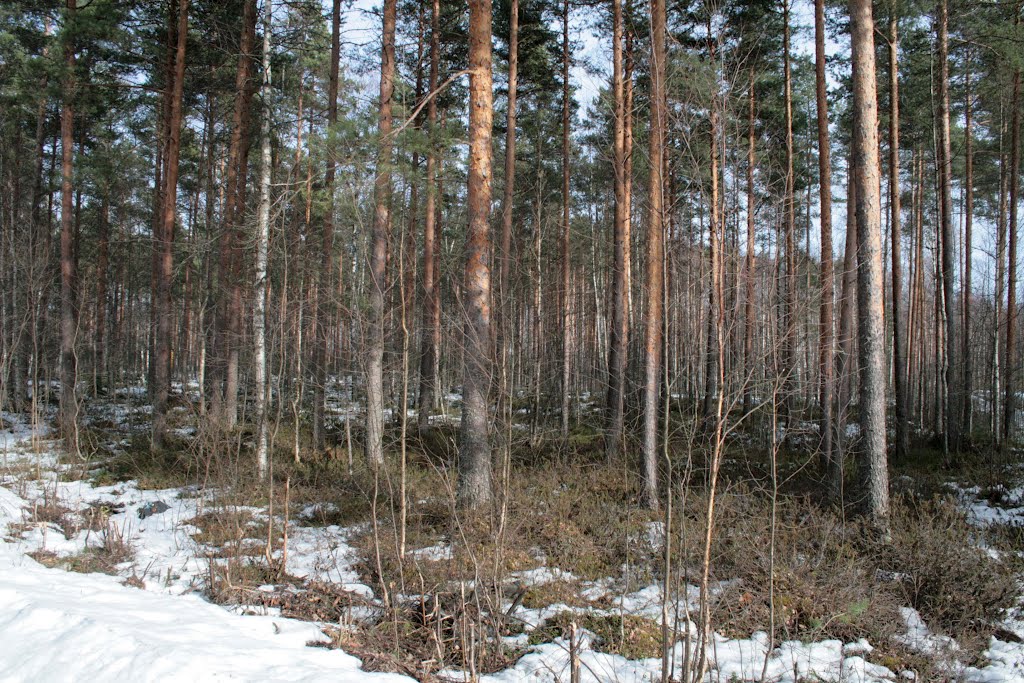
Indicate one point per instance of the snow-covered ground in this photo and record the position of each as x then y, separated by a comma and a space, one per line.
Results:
150, 621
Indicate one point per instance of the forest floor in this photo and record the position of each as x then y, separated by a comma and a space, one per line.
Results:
130, 565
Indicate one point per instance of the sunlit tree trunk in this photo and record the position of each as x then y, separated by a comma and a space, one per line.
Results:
951, 405
619, 330
871, 314
655, 275
474, 446
379, 247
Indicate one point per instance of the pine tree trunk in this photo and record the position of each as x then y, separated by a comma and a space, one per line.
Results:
826, 339
325, 304
68, 415
619, 330
431, 302
899, 344
228, 333
788, 286
474, 445
655, 274
164, 242
566, 265
751, 276
871, 313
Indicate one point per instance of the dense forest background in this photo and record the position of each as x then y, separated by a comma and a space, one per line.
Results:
737, 261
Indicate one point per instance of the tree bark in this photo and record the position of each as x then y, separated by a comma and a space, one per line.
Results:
951, 405
566, 265
68, 412
474, 447
751, 275
325, 301
431, 302
788, 286
164, 242
655, 265
619, 332
1010, 383
899, 343
826, 339
259, 319
967, 387
379, 247
871, 313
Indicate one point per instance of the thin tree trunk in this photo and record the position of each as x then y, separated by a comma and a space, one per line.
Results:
967, 386
431, 302
229, 279
102, 266
1010, 383
951, 405
655, 274
164, 242
566, 293
899, 344
68, 419
619, 331
505, 308
826, 340
789, 202
751, 277
474, 446
325, 304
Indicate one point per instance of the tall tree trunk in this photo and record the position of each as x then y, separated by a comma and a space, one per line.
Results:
1010, 383
505, 308
164, 242
102, 280
951, 404
655, 274
324, 314
826, 340
68, 417
789, 312
229, 328
566, 293
619, 331
474, 446
899, 343
379, 248
751, 276
431, 301
967, 386
1001, 222
259, 317
871, 313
